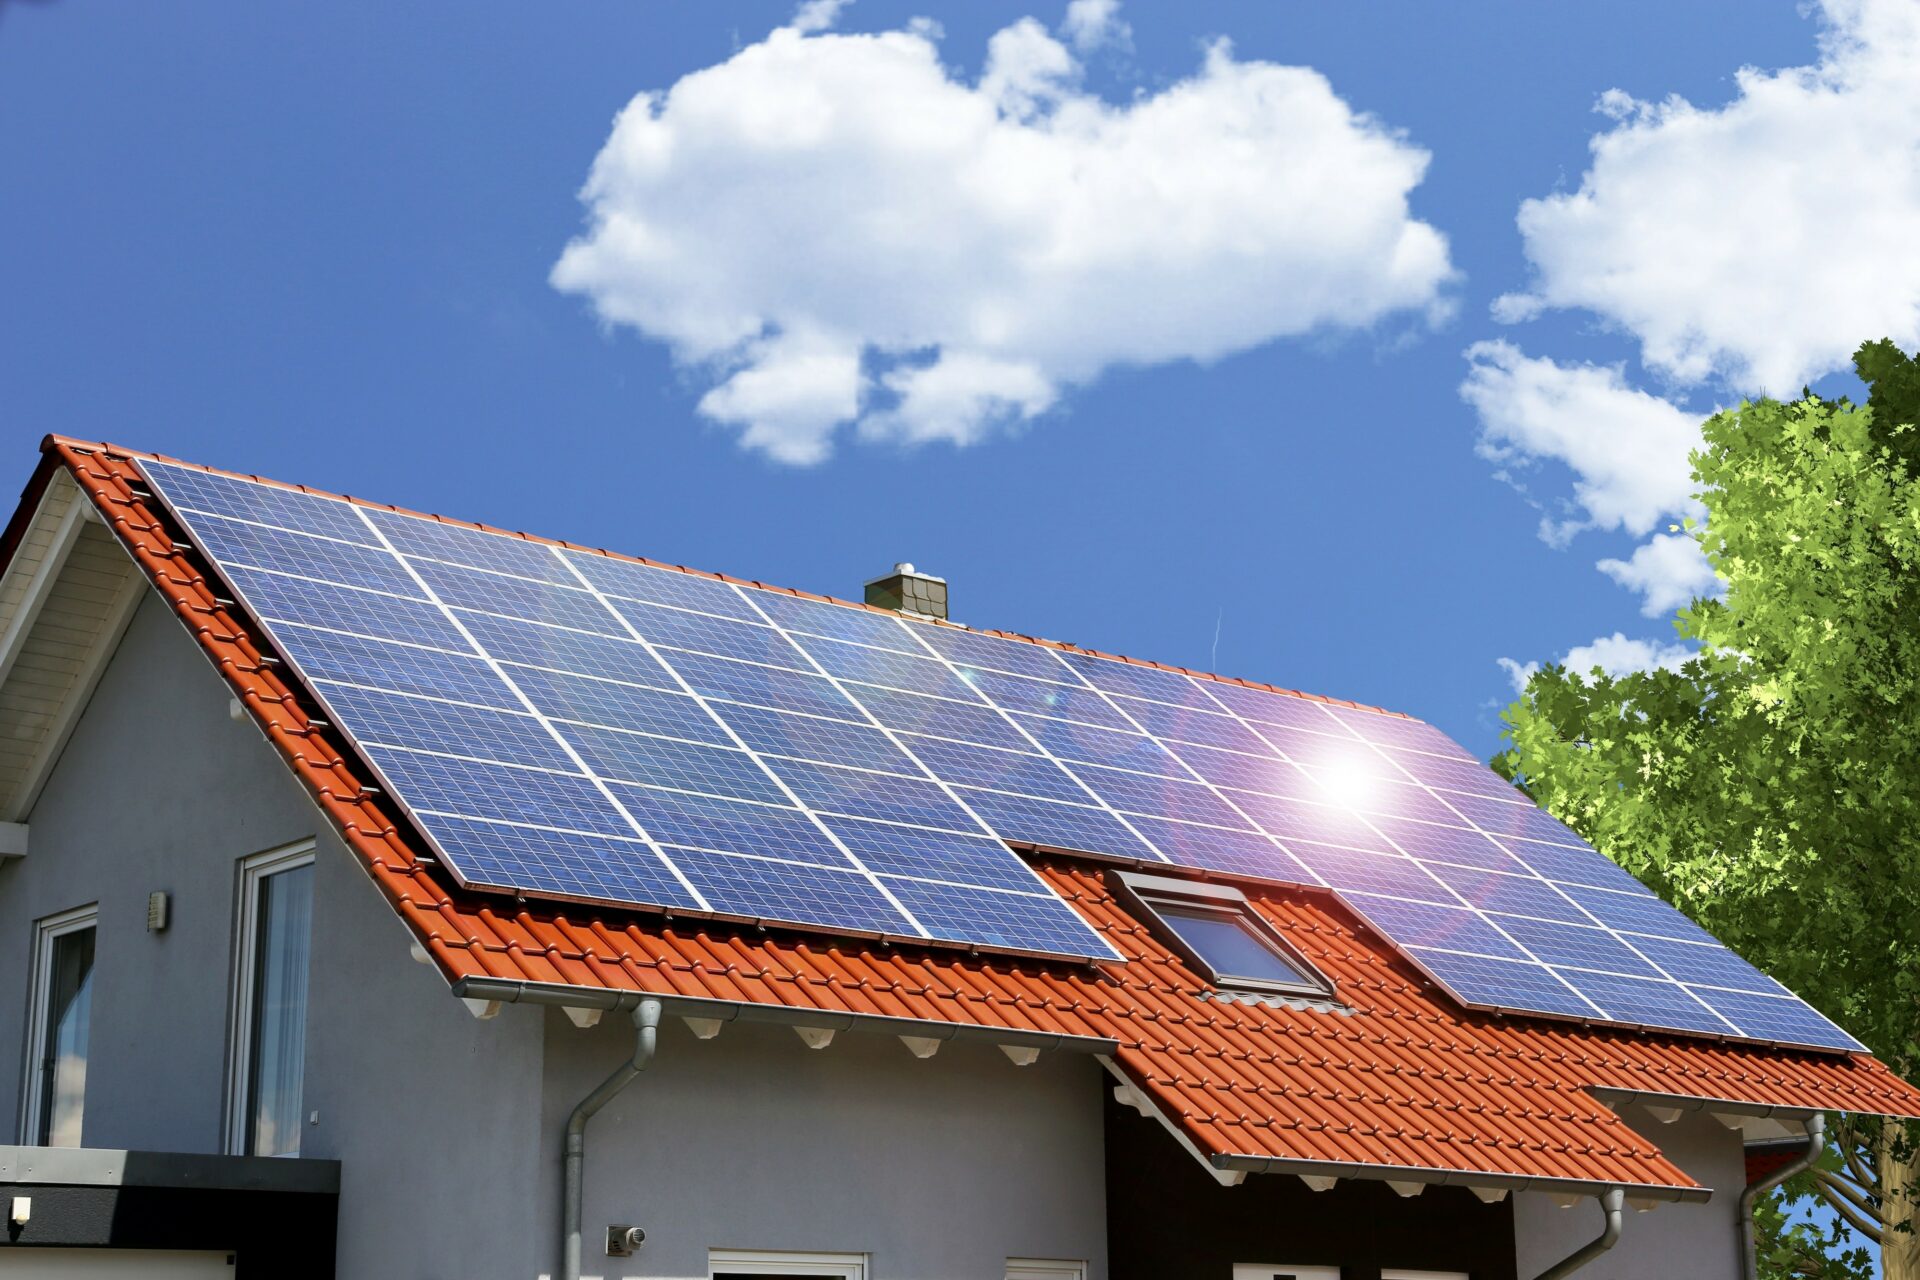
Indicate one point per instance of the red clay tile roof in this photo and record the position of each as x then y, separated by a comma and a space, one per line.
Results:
1400, 1079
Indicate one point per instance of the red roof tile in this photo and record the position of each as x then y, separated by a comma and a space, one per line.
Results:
1399, 1078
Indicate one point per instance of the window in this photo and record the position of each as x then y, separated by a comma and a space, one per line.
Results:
750, 1264
1216, 928
1278, 1271
1045, 1269
56, 1091
272, 948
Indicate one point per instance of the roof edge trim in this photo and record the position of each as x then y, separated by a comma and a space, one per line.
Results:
1458, 1177
514, 991
1616, 1098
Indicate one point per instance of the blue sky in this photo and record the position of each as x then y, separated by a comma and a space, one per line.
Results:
317, 243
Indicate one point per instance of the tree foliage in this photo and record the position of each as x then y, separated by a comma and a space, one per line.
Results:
1770, 787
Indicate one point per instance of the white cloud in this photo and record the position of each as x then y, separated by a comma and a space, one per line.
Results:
1758, 243
817, 15
1615, 654
1094, 24
1627, 449
833, 230
1669, 570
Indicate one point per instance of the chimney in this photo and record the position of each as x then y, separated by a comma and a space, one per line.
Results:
907, 590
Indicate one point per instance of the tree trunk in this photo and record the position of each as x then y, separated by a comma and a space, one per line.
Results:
1900, 1201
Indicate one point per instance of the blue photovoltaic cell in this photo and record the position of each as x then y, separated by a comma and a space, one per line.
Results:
1454, 845
1087, 744
893, 850
1572, 866
1519, 895
402, 720
307, 556
784, 733
334, 655
728, 826
1267, 775
1574, 946
518, 597
1392, 731
1707, 963
1035, 922
916, 713
827, 788
630, 581
278, 598
968, 648
963, 763
1292, 820
704, 633
1043, 697
1383, 874
1648, 1001
513, 857
1504, 984
1056, 826
1139, 682
760, 686
1636, 913
836, 622
687, 766
444, 784
616, 706
1436, 926
1771, 1018
1499, 901
574, 652
1245, 853
436, 540
188, 488
759, 887
1159, 797
884, 667
1183, 724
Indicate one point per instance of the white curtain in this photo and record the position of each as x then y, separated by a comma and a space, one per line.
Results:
281, 957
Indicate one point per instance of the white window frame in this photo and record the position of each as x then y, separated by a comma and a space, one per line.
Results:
738, 1262
45, 931
1045, 1269
253, 870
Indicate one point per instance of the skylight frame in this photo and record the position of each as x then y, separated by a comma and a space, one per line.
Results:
1151, 895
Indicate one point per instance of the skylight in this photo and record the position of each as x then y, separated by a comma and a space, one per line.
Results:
1217, 929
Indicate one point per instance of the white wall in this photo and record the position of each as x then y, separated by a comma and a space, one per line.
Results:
1694, 1241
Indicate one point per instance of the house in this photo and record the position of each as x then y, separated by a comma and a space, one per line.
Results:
316, 970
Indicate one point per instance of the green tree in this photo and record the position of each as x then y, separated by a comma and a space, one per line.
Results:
1770, 788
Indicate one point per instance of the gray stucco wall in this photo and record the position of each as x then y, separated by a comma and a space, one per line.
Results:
448, 1127
1695, 1241
940, 1169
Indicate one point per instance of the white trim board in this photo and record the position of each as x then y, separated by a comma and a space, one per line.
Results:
744, 1262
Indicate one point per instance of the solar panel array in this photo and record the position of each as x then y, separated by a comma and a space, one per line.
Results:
571, 724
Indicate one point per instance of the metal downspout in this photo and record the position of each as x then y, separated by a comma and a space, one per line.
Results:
1816, 1143
1613, 1204
646, 1022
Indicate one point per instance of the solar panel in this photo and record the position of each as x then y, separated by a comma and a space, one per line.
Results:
575, 725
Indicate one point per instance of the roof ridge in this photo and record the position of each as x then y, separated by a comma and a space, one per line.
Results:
54, 440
